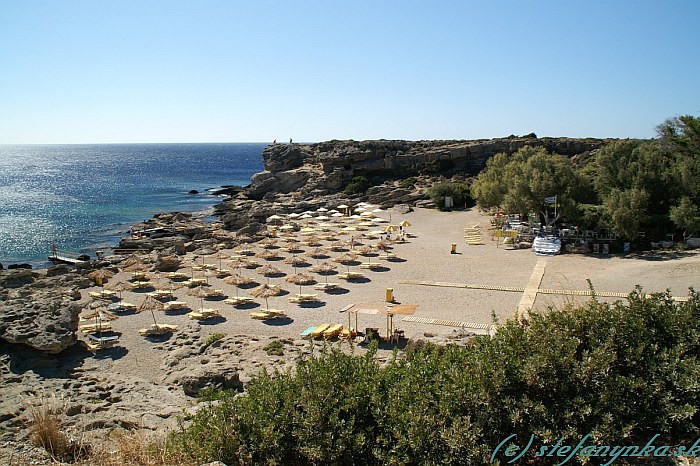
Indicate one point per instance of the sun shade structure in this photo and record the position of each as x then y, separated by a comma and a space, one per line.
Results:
301, 279
382, 309
265, 292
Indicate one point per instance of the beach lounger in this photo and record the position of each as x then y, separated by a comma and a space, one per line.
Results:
350, 275
157, 330
332, 331
106, 294
370, 265
88, 329
318, 331
307, 333
203, 314
326, 286
267, 314
123, 306
172, 305
238, 300
177, 275
95, 343
303, 298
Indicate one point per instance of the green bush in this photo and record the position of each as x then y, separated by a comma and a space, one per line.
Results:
461, 194
408, 183
622, 372
274, 348
358, 184
213, 338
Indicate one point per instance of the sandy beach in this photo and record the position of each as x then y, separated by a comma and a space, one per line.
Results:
425, 257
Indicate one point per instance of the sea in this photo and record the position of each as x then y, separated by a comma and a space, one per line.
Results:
85, 197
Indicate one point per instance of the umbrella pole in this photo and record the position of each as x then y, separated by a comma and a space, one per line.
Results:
154, 318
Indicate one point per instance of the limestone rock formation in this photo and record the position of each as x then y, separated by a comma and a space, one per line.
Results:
39, 309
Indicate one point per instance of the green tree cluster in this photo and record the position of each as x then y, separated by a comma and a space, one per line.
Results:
621, 372
358, 184
460, 193
520, 183
630, 185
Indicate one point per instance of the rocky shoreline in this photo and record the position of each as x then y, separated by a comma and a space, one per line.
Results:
39, 309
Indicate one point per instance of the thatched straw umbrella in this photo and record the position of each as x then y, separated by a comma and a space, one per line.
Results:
119, 287
267, 255
367, 250
100, 276
199, 292
295, 261
151, 304
324, 268
134, 264
268, 270
238, 280
384, 246
300, 279
266, 291
268, 243
318, 253
346, 259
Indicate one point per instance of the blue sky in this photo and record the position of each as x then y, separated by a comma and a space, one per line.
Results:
229, 71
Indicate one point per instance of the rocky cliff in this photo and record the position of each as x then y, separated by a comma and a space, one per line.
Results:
324, 168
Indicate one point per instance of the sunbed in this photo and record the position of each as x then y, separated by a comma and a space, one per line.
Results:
203, 314
332, 331
95, 343
157, 329
318, 331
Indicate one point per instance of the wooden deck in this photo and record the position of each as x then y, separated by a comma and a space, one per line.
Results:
63, 259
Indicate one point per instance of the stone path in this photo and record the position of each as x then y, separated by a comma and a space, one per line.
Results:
530, 293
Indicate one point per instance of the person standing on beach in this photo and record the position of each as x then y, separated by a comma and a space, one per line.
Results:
290, 140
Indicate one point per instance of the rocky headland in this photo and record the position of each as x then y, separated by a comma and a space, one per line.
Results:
40, 350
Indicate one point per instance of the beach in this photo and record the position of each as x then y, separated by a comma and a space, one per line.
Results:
425, 257
143, 384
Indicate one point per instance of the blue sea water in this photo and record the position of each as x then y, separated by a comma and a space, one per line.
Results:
85, 197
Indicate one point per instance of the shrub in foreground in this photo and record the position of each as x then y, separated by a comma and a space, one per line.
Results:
622, 372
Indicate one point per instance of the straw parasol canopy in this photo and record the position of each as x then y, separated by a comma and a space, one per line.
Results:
237, 264
313, 241
267, 255
325, 268
390, 228
405, 223
346, 259
238, 280
384, 246
134, 264
199, 292
100, 276
151, 304
367, 250
266, 291
295, 261
268, 271
318, 253
268, 243
301, 279
119, 287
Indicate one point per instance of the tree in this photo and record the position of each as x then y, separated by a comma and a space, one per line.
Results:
520, 183
626, 211
686, 216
